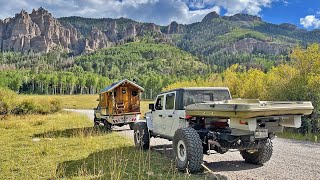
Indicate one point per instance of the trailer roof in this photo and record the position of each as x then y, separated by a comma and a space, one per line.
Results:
118, 83
197, 88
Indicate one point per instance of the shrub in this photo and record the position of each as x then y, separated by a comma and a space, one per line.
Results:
48, 106
27, 106
11, 104
8, 100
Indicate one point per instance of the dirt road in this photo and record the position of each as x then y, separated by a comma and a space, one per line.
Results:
291, 159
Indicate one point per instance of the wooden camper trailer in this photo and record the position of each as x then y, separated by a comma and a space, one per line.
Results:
119, 103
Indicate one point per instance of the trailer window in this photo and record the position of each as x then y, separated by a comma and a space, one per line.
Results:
200, 96
170, 101
159, 103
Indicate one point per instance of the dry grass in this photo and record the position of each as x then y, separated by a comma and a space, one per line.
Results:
306, 137
80, 101
64, 145
70, 101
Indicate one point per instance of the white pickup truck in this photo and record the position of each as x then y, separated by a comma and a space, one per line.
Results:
202, 120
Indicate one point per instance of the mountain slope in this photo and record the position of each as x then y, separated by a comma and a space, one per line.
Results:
216, 40
153, 66
139, 58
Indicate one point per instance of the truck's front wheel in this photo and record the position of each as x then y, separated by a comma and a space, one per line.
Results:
259, 155
141, 136
188, 150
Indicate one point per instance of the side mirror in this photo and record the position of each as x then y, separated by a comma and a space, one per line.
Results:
151, 107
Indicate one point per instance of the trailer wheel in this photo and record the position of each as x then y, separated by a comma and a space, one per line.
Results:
188, 150
131, 125
96, 122
260, 155
141, 136
107, 125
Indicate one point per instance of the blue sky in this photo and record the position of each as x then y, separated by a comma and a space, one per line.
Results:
303, 13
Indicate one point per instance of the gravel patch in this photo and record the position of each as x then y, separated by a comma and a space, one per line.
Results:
291, 159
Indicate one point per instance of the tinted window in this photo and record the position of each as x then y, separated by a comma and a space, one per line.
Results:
134, 93
159, 103
170, 101
199, 96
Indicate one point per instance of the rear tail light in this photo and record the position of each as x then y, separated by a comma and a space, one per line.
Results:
243, 122
220, 124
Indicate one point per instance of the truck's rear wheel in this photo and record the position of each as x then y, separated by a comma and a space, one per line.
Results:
141, 136
259, 155
188, 150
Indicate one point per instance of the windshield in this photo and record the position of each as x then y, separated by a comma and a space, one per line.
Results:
199, 96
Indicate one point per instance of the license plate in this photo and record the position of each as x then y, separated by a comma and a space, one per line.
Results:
261, 133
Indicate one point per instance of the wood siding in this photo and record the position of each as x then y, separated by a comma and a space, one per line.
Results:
124, 100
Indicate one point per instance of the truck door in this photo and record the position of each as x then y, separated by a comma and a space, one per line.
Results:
168, 113
157, 115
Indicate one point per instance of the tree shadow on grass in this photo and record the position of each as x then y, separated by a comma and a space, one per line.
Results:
74, 132
219, 166
240, 165
165, 149
126, 163
121, 130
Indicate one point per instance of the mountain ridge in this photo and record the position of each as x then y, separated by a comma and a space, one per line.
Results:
39, 31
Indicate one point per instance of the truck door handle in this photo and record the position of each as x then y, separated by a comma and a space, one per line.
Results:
169, 115
160, 115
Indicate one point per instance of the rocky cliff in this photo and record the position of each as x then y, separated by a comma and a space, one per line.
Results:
250, 45
41, 32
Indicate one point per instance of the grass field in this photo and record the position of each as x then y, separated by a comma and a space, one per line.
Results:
70, 101
307, 137
64, 145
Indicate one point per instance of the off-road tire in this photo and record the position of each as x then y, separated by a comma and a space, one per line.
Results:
261, 156
96, 121
141, 135
107, 125
192, 157
131, 125
205, 148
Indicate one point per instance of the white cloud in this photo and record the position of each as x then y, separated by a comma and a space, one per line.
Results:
158, 11
252, 7
310, 21
232, 7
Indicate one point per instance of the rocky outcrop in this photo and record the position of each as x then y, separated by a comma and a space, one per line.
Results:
242, 17
112, 32
175, 28
210, 16
288, 26
98, 40
250, 45
150, 27
131, 31
41, 32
